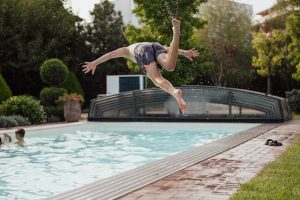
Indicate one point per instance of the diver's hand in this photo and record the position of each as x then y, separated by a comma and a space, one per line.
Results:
89, 66
190, 54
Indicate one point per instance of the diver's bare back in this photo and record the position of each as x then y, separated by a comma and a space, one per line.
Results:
131, 54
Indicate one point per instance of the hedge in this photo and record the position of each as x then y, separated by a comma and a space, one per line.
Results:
5, 90
13, 121
293, 98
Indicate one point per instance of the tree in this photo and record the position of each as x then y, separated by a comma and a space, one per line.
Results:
72, 84
296, 75
227, 36
104, 34
5, 90
272, 55
32, 31
156, 26
293, 31
155, 16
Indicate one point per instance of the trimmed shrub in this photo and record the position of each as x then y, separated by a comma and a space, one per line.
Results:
293, 98
53, 71
49, 95
6, 122
72, 84
13, 121
22, 121
25, 106
5, 90
54, 113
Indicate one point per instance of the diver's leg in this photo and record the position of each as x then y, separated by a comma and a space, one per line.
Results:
164, 84
169, 60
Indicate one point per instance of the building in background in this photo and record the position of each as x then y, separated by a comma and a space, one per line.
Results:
270, 19
266, 15
116, 84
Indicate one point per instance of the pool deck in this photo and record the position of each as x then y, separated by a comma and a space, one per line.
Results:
219, 177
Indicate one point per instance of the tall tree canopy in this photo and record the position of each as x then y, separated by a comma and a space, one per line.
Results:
156, 26
32, 31
272, 56
293, 30
155, 14
104, 34
227, 36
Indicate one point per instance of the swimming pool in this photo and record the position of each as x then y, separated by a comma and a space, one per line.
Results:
59, 159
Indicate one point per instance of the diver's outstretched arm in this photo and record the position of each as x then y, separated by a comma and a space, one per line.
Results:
91, 66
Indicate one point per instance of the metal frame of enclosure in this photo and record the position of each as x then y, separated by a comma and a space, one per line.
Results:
205, 103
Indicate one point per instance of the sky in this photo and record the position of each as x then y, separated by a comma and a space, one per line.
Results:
83, 7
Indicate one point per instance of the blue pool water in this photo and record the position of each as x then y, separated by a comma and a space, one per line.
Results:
59, 159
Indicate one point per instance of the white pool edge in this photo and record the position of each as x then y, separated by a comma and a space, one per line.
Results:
40, 127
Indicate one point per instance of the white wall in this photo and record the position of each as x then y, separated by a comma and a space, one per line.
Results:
112, 85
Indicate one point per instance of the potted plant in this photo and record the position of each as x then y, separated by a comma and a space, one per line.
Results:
72, 106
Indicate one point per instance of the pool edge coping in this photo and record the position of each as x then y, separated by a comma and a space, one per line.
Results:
126, 182
40, 127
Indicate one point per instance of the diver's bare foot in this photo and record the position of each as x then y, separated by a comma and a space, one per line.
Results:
176, 26
178, 95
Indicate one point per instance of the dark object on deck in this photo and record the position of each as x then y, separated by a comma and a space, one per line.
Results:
205, 103
271, 142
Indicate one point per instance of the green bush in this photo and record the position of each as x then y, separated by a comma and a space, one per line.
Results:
22, 121
5, 90
293, 98
50, 95
25, 106
6, 122
53, 71
13, 121
54, 113
72, 84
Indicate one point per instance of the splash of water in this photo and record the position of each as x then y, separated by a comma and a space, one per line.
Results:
169, 10
198, 101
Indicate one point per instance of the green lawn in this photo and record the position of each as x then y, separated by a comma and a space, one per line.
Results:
280, 180
296, 116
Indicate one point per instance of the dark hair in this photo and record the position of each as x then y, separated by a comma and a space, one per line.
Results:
21, 132
0, 140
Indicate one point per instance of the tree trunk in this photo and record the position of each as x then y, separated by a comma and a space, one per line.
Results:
269, 86
219, 82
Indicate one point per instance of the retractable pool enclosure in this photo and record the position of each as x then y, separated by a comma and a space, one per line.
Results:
205, 103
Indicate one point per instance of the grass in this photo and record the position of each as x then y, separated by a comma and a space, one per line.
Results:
296, 116
280, 180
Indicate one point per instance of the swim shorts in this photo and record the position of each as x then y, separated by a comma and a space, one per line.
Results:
146, 53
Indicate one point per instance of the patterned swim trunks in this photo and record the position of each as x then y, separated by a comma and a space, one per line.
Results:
146, 53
